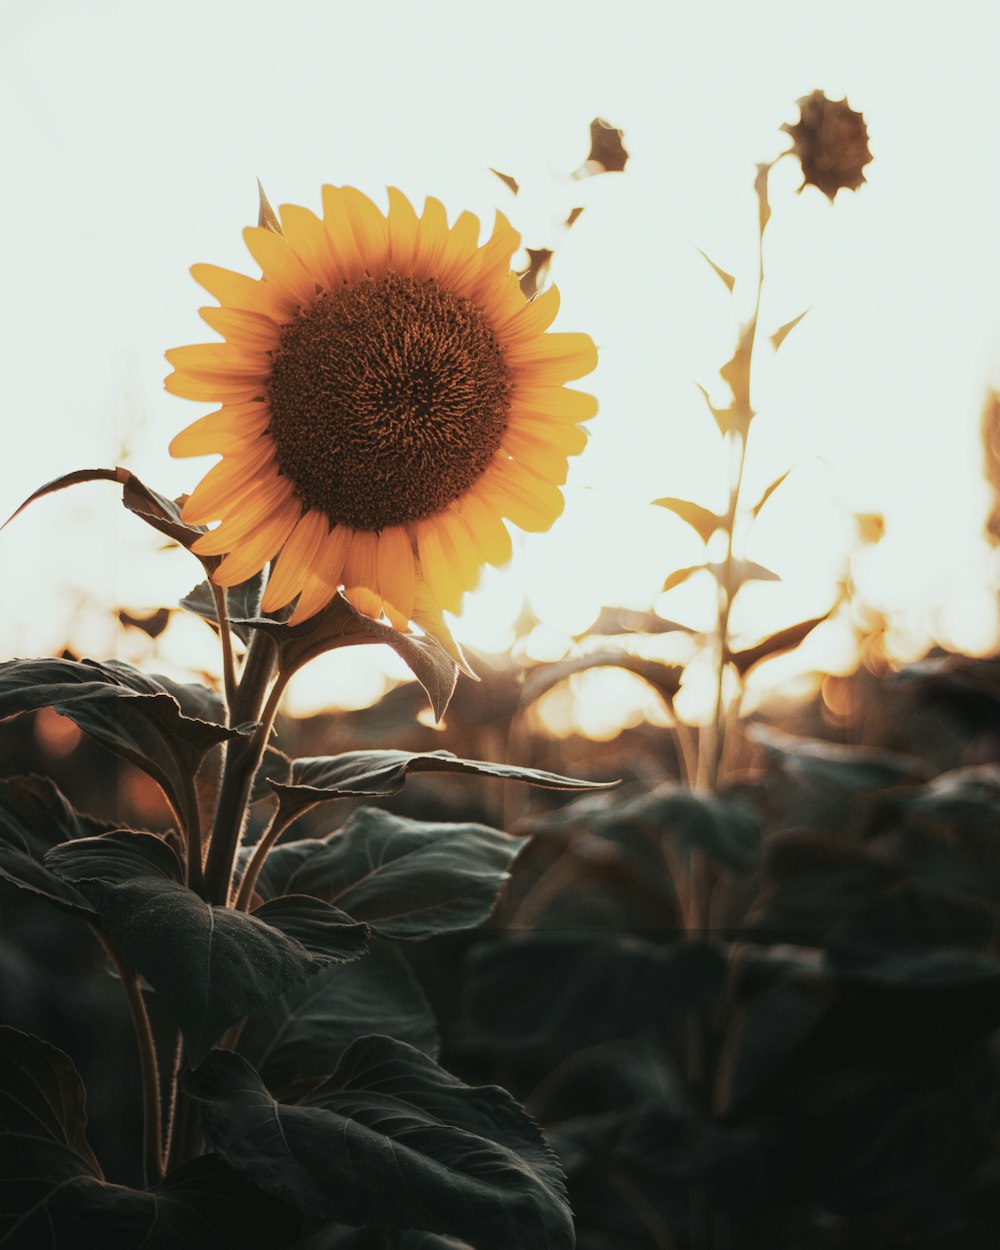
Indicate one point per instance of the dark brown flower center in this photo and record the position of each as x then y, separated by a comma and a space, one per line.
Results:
389, 397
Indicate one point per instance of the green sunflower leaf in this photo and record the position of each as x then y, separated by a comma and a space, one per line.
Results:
158, 725
51, 1197
303, 1033
121, 855
378, 773
406, 878
391, 1138
213, 965
41, 1093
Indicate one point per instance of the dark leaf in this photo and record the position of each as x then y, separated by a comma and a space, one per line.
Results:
834, 765
154, 624
406, 878
723, 826
41, 1093
35, 815
507, 180
212, 965
27, 873
607, 151
627, 621
775, 644
562, 993
703, 521
242, 604
727, 278
779, 336
664, 678
51, 1200
303, 1033
69, 479
391, 1138
574, 216
115, 857
131, 713
371, 773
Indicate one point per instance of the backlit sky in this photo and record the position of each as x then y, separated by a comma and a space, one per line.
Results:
133, 135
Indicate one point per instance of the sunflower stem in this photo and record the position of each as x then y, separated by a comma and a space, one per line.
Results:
271, 834
228, 663
243, 755
152, 1146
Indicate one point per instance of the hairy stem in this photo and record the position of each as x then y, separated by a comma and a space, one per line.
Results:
152, 1146
228, 664
268, 838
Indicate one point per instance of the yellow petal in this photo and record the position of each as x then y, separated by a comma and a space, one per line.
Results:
243, 328
360, 573
219, 360
553, 402
224, 479
558, 436
340, 237
490, 264
396, 571
254, 507
462, 547
432, 236
491, 535
552, 465
308, 239
368, 227
237, 290
324, 578
295, 561
438, 564
532, 319
215, 390
282, 269
402, 231
553, 357
459, 248
255, 551
225, 432
532, 505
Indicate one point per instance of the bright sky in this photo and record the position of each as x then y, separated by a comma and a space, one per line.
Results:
134, 135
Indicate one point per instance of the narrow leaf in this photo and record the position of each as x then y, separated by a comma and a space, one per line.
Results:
680, 576
703, 521
506, 179
727, 278
391, 1138
665, 679
266, 216
725, 418
779, 336
574, 216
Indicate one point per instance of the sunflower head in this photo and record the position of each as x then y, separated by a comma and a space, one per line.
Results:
387, 397
831, 141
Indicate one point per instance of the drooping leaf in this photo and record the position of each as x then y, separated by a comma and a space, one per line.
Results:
121, 855
508, 181
743, 571
242, 604
561, 993
703, 521
769, 491
727, 278
303, 1033
213, 965
779, 336
153, 624
126, 710
41, 1093
266, 216
406, 878
835, 765
376, 773
391, 1138
35, 816
613, 621
665, 679
50, 1197
775, 644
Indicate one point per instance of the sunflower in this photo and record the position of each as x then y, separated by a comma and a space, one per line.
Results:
387, 397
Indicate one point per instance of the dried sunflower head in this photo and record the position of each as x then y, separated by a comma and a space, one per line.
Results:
831, 141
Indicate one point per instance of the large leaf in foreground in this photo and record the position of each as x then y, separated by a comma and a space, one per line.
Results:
303, 1033
391, 1138
34, 817
51, 1199
124, 709
212, 965
371, 773
41, 1093
406, 878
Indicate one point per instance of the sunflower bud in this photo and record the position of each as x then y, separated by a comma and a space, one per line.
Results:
831, 141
